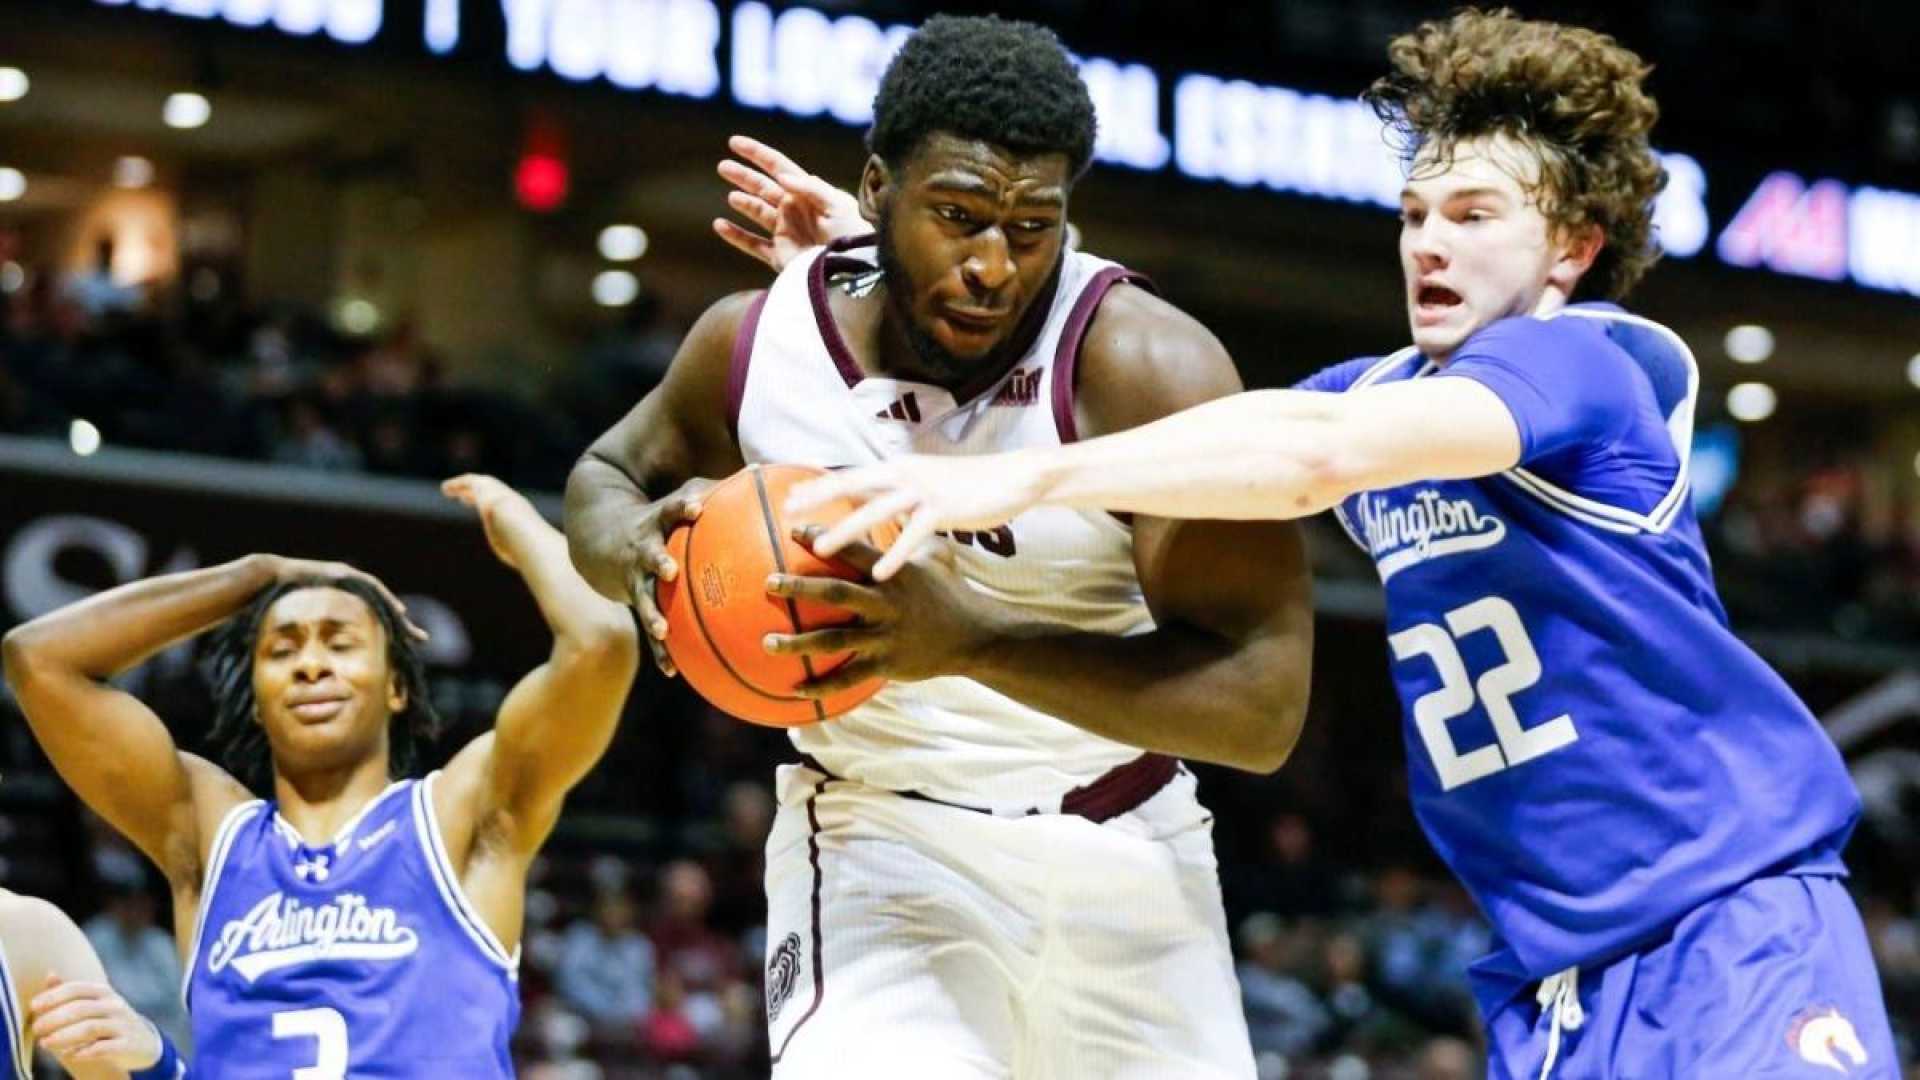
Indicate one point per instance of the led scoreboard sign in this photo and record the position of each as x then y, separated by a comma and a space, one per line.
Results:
805, 63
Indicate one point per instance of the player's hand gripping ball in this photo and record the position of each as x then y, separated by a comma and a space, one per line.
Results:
719, 613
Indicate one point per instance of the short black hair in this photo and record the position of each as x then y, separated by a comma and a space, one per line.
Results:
228, 667
982, 77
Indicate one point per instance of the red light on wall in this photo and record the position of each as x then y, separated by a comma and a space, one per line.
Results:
540, 182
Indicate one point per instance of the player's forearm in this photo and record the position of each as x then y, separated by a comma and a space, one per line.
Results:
1179, 690
578, 616
602, 502
1271, 454
112, 631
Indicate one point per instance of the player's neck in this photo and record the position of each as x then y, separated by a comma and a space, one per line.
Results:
319, 802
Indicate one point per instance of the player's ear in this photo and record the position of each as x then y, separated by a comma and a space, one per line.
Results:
396, 694
1575, 250
876, 188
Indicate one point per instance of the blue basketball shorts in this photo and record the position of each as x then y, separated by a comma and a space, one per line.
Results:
1772, 980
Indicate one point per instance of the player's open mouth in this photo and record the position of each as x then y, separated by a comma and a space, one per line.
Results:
1435, 301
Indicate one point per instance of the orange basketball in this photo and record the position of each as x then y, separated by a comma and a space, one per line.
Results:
718, 610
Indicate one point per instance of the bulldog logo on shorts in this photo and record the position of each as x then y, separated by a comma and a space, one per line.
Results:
1821, 1036
783, 973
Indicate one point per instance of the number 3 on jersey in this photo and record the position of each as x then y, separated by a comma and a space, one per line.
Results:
328, 1029
1494, 690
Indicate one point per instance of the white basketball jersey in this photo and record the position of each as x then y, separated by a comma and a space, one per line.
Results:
798, 397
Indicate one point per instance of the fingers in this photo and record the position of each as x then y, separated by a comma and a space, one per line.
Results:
661, 658
755, 196
818, 492
118, 1048
920, 529
764, 157
399, 608
752, 245
855, 551
847, 675
860, 599
858, 526
836, 639
640, 592
75, 1023
679, 508
59, 992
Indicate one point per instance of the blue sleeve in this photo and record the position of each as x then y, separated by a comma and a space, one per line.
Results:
1564, 382
1336, 379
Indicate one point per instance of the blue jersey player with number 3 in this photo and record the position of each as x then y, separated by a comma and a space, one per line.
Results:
356, 922
1647, 814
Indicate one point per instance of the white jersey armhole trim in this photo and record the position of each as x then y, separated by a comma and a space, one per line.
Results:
448, 882
15, 1017
1368, 377
1679, 430
209, 882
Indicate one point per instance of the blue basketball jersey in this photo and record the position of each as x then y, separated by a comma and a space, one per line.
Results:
16, 1054
1590, 748
360, 958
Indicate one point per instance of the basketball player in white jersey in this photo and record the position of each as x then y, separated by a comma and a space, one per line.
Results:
978, 873
54, 994
352, 923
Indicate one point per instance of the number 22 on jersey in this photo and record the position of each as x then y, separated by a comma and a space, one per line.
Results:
1458, 692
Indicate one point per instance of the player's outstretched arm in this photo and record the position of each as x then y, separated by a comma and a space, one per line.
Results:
1223, 675
646, 473
105, 743
559, 718
72, 1012
793, 209
1266, 454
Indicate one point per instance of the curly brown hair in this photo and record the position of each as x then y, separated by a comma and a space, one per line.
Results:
1574, 97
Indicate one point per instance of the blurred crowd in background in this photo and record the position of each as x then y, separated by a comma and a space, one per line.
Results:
1818, 540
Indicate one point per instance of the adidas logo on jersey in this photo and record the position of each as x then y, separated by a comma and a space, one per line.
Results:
1400, 533
1022, 388
282, 932
906, 409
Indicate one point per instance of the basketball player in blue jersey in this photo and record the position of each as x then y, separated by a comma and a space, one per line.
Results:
351, 923
977, 872
1648, 815
54, 995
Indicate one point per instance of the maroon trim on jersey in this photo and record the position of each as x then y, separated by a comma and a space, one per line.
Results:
819, 973
1121, 789
1066, 359
829, 263
1114, 792
737, 367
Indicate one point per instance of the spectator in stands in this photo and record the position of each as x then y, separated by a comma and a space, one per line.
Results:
737, 869
94, 290
309, 441
140, 959
606, 967
1284, 1015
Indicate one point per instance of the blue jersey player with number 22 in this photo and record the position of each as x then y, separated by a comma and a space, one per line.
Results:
1648, 815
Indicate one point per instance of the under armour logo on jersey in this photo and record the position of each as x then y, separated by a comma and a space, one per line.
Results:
907, 409
1821, 1036
783, 974
1022, 388
313, 866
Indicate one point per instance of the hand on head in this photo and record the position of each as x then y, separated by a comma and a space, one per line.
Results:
286, 569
